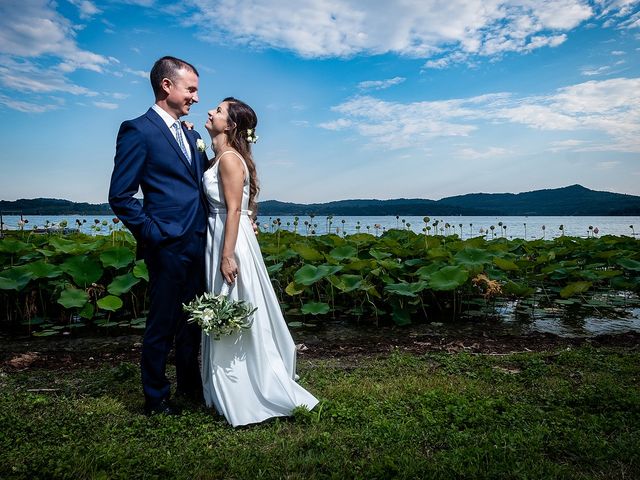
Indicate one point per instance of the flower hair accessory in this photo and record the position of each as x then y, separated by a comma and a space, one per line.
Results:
201, 145
251, 136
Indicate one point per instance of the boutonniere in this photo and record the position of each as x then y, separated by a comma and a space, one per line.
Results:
201, 145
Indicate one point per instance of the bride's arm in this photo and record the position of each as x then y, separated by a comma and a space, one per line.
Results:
231, 172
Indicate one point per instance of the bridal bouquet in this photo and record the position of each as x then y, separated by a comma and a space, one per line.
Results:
217, 315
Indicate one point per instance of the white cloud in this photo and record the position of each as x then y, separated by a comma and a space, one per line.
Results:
106, 105
87, 8
607, 165
339, 124
610, 107
441, 32
27, 107
33, 28
593, 71
137, 73
380, 84
30, 77
491, 152
617, 53
569, 144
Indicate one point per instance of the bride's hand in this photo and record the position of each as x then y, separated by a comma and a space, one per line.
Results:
229, 269
187, 125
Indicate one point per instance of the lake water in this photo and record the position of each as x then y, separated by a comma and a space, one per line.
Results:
510, 227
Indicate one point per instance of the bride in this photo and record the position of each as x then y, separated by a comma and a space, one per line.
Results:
250, 376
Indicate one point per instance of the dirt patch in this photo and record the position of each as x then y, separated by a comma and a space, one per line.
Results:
65, 354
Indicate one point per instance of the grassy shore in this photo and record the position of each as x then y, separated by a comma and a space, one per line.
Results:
570, 413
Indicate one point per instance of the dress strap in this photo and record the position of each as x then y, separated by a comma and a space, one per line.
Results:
223, 211
244, 164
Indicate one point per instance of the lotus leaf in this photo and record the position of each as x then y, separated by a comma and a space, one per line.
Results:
346, 283
629, 264
122, 284
361, 266
87, 311
72, 297
140, 270
406, 289
344, 252
505, 264
401, 316
84, 270
40, 269
428, 270
378, 255
12, 246
110, 303
315, 308
294, 289
448, 278
308, 253
63, 245
275, 268
117, 257
574, 288
473, 257
15, 278
310, 274
438, 253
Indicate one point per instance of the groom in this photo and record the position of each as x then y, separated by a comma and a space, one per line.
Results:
155, 153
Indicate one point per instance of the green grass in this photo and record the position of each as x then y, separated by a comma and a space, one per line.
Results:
570, 414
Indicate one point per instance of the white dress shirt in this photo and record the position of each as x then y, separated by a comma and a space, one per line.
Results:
169, 120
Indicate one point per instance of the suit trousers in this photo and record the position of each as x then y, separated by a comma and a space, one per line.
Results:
176, 276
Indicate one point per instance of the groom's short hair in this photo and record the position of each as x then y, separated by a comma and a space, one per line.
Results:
167, 67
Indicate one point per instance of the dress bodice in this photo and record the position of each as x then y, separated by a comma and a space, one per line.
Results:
213, 187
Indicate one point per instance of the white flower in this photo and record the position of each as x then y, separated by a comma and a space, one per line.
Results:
201, 145
251, 136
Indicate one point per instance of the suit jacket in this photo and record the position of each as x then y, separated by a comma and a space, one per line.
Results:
148, 156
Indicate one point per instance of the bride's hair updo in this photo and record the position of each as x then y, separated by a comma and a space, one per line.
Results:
242, 118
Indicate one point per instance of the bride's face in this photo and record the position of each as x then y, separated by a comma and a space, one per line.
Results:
218, 119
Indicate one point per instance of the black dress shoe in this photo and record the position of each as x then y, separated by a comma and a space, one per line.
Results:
162, 408
192, 398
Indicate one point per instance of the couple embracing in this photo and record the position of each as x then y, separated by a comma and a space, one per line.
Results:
195, 233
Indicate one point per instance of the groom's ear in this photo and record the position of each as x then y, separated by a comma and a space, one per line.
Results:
166, 85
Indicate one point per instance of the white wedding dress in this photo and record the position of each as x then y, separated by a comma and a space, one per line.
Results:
250, 376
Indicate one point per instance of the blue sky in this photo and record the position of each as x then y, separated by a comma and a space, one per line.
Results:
355, 98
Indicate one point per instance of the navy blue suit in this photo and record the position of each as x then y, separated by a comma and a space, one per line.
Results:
170, 230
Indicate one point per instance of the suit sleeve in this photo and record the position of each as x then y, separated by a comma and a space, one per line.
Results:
129, 165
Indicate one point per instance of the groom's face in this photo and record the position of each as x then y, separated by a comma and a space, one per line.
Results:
182, 92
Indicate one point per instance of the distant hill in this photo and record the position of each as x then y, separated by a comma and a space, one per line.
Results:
52, 206
574, 200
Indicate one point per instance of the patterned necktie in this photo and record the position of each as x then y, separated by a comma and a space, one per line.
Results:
179, 139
